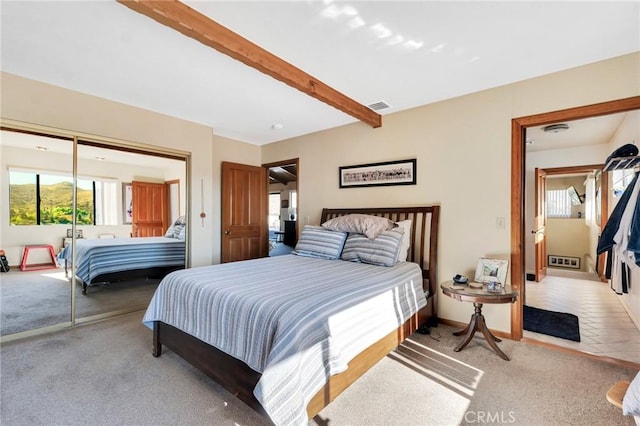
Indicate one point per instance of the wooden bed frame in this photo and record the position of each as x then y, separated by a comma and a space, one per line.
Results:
131, 274
239, 379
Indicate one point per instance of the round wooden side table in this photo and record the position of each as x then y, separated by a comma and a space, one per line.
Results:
479, 296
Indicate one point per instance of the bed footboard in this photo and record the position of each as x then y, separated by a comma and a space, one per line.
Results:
232, 374
240, 380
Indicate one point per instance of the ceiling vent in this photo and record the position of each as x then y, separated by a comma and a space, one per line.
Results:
556, 128
379, 106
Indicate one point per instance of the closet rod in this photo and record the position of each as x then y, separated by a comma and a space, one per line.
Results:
620, 163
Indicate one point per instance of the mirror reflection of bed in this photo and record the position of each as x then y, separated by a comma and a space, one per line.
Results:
105, 261
42, 298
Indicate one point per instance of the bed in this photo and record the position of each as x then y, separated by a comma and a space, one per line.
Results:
304, 327
115, 259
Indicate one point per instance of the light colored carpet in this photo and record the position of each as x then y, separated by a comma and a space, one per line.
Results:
104, 374
35, 299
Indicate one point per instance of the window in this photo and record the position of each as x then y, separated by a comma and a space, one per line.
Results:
47, 198
106, 202
621, 179
558, 203
293, 203
274, 211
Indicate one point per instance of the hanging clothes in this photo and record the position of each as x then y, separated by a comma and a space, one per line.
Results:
611, 228
634, 236
621, 238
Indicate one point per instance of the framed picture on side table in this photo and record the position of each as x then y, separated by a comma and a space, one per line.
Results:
492, 270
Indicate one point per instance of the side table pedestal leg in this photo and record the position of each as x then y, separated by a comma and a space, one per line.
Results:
471, 331
491, 339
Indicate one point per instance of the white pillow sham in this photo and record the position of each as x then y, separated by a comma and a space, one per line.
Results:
406, 239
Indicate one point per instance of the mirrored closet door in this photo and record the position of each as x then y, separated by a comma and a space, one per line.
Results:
37, 185
103, 263
129, 247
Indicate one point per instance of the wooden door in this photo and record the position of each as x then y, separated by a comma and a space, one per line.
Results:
244, 212
539, 224
604, 217
149, 209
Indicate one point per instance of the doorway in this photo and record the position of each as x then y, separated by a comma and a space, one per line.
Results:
283, 205
518, 176
570, 211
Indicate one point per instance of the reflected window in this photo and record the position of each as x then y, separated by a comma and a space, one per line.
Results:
621, 179
274, 211
47, 199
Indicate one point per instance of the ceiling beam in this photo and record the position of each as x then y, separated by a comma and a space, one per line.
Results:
194, 24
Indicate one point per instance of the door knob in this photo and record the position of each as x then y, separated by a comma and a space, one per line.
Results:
227, 232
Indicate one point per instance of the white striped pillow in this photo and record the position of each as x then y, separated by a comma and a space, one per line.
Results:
175, 231
383, 250
317, 241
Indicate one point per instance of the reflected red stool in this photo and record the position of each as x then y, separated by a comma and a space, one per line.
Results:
36, 266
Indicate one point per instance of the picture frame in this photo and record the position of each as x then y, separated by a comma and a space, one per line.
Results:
491, 270
78, 233
563, 261
127, 203
387, 173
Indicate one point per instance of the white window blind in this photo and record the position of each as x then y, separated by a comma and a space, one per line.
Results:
558, 203
589, 201
106, 203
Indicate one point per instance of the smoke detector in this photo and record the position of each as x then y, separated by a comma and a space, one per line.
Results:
556, 128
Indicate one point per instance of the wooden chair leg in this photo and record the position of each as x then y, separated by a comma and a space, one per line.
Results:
615, 395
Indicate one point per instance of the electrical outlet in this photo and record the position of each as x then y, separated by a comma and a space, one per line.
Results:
499, 222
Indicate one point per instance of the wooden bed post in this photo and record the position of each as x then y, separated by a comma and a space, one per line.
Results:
157, 346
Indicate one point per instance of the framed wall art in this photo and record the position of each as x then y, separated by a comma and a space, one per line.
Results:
379, 174
563, 261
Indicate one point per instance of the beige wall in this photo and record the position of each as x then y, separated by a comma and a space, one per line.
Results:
28, 101
463, 148
568, 237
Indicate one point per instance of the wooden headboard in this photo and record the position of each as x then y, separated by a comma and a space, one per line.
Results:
424, 238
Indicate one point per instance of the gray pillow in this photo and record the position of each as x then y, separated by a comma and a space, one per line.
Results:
175, 231
382, 251
371, 226
316, 241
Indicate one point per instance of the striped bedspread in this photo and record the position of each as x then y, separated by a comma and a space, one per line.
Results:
101, 256
297, 320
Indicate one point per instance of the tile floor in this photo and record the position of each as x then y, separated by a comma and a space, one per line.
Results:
605, 327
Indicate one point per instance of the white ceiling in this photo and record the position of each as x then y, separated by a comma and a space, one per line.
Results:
587, 131
65, 146
404, 53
